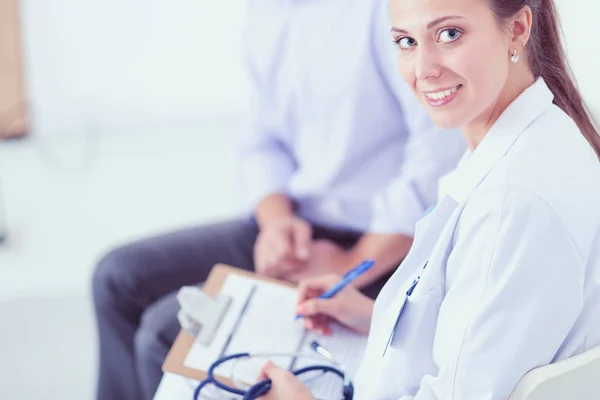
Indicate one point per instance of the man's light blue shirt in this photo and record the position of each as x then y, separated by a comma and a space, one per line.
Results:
331, 124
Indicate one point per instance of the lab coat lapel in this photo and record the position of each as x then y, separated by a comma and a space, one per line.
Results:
429, 229
420, 250
427, 233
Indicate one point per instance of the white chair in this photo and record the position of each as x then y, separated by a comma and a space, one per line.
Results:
577, 378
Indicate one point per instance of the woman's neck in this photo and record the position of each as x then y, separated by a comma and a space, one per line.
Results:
476, 130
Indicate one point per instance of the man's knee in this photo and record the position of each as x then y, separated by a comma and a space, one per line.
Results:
114, 275
158, 329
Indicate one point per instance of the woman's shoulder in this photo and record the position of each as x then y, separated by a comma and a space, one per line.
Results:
552, 167
553, 155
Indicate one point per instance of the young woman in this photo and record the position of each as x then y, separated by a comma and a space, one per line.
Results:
504, 274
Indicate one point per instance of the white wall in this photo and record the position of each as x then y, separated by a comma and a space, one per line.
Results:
580, 24
106, 63
131, 62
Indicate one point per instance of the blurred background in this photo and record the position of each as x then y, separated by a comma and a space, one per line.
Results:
131, 106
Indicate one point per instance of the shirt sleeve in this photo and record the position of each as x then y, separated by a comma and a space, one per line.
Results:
429, 154
515, 282
265, 158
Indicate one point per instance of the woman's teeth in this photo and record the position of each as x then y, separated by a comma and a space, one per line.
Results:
442, 94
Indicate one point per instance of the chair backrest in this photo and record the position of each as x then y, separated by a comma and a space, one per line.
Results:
575, 378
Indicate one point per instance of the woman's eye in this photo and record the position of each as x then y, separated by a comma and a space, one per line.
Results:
449, 35
406, 42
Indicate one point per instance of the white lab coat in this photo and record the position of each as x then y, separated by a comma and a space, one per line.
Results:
513, 274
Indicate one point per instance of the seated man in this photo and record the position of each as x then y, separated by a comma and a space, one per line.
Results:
331, 127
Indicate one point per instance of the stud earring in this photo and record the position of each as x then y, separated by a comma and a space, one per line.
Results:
515, 57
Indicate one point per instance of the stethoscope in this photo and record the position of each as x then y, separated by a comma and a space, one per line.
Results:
262, 387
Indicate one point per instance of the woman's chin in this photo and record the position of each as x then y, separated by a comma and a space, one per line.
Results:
445, 120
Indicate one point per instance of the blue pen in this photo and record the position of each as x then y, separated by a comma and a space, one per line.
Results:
346, 280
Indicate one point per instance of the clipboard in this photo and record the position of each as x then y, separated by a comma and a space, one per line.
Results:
175, 361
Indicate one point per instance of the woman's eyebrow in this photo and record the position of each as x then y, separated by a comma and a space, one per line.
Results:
394, 29
430, 25
442, 19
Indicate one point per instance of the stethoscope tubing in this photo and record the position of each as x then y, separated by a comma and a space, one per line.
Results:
258, 389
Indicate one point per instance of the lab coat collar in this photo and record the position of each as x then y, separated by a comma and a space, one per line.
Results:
514, 120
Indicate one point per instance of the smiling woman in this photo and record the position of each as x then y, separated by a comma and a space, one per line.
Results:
479, 300
458, 60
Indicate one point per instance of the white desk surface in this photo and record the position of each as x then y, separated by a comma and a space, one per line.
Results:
174, 387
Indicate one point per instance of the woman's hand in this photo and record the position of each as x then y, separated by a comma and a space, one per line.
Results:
284, 384
349, 307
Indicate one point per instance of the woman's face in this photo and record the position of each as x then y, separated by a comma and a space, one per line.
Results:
454, 55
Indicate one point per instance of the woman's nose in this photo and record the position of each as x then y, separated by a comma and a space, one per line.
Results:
427, 65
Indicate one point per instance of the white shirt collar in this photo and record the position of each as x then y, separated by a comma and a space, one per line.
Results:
475, 166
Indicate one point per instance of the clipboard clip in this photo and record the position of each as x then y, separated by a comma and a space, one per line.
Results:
200, 314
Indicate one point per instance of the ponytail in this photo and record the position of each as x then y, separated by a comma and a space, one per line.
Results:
547, 59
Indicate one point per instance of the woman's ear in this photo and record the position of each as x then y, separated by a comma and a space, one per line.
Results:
520, 27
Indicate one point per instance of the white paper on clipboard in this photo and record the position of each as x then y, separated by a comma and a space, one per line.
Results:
261, 319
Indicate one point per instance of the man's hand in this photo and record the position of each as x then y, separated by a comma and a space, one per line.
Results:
285, 386
326, 257
282, 247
